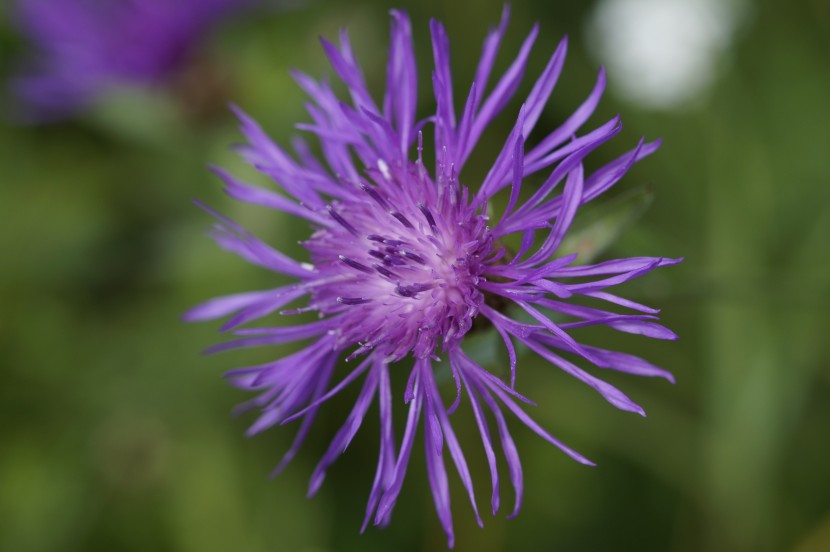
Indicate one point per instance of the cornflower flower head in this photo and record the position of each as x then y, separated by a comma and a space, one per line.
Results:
85, 47
403, 259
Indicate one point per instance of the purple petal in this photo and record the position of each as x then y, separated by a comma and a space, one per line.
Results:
222, 306
572, 124
433, 426
608, 391
536, 428
489, 50
486, 440
441, 57
637, 324
463, 135
611, 173
276, 336
232, 237
437, 475
504, 161
258, 196
511, 455
390, 496
614, 280
580, 149
572, 197
472, 367
456, 453
269, 158
611, 298
617, 266
308, 420
348, 71
553, 328
402, 80
543, 88
501, 94
347, 432
386, 455
511, 353
266, 307
612, 360
353, 375
518, 171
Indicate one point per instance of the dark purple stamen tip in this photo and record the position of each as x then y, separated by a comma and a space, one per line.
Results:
427, 215
402, 219
374, 195
352, 300
341, 221
413, 257
412, 290
356, 265
388, 273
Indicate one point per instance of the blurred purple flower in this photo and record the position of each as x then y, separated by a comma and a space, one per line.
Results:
86, 46
402, 261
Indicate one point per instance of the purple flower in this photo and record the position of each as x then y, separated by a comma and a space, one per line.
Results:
87, 46
403, 259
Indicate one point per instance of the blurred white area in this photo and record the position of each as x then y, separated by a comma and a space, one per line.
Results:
662, 53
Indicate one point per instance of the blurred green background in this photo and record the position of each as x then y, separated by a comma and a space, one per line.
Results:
115, 432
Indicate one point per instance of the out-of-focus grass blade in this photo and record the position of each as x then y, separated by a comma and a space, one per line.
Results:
137, 116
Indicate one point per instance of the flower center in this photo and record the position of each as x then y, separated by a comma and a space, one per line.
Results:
409, 259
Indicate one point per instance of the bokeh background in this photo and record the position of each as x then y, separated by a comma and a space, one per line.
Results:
115, 432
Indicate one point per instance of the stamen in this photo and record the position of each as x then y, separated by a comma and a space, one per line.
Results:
388, 273
428, 215
385, 241
402, 219
356, 265
413, 256
412, 290
374, 195
352, 300
340, 220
